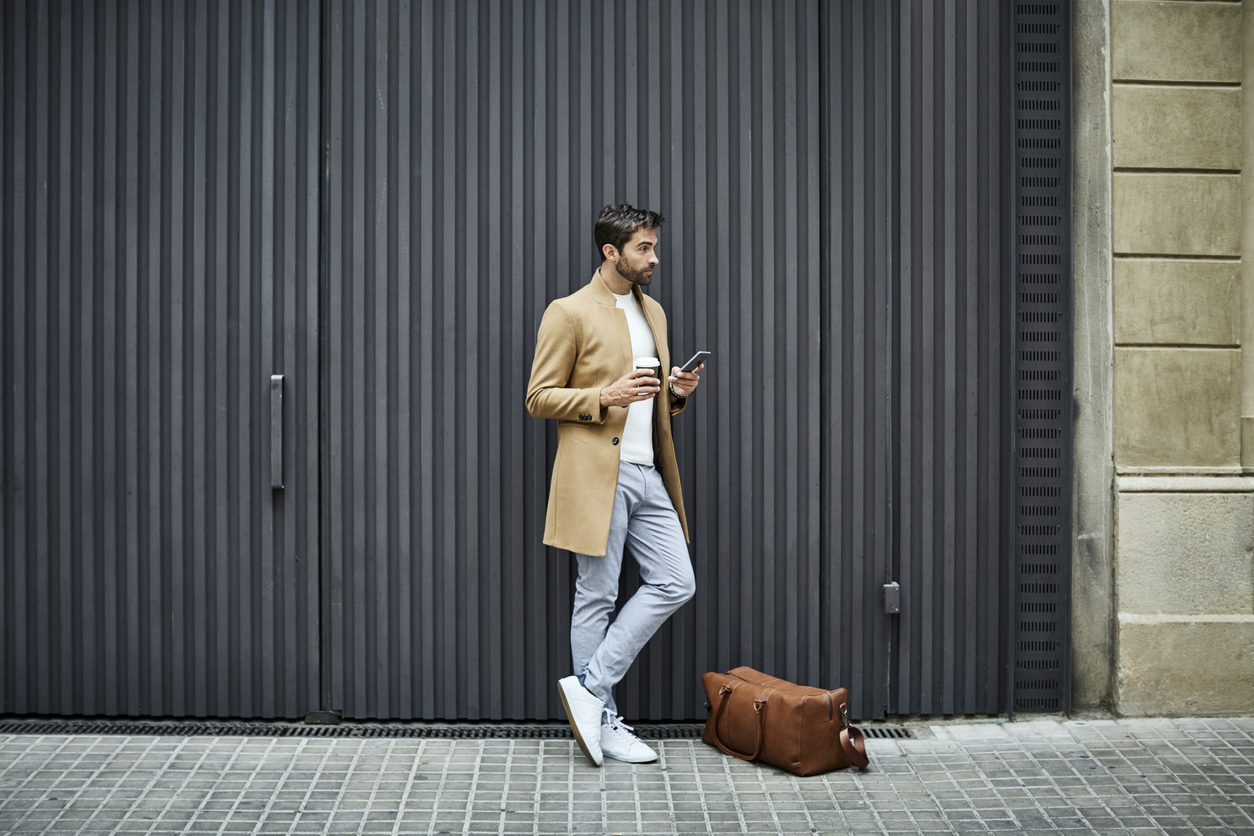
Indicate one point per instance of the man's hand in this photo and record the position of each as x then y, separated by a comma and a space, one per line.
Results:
685, 383
635, 386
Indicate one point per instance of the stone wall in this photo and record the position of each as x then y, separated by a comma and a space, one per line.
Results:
1183, 568
1093, 513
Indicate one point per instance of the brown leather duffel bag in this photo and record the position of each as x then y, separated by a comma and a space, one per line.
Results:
803, 730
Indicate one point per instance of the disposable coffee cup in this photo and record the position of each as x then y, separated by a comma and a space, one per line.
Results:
650, 365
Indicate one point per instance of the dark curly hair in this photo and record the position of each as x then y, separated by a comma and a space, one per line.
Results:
616, 224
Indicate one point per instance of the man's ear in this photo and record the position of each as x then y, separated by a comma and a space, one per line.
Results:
608, 252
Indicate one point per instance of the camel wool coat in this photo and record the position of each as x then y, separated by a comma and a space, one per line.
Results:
583, 346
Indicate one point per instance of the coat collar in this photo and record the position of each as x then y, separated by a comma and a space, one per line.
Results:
601, 292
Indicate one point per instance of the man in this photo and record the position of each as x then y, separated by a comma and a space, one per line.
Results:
615, 479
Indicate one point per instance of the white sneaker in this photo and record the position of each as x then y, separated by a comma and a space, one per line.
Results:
619, 743
583, 710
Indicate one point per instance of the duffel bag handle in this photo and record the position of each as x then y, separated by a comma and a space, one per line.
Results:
851, 740
759, 708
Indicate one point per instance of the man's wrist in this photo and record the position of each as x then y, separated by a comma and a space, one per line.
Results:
675, 394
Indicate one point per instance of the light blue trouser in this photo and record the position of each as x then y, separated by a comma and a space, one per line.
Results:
645, 521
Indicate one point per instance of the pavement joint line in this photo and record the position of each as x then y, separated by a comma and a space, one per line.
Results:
936, 802
349, 771
1154, 784
208, 794
1049, 776
47, 794
47, 791
963, 791
804, 806
1099, 763
170, 762
474, 784
322, 764
435, 804
731, 788
269, 808
1033, 797
249, 782
570, 784
705, 804
635, 786
1239, 808
504, 802
156, 819
670, 794
913, 817
770, 798
1120, 752
606, 765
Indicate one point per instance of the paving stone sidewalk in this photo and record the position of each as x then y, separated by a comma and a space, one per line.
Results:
1192, 776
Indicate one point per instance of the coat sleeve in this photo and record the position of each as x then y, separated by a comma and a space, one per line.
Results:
677, 405
548, 395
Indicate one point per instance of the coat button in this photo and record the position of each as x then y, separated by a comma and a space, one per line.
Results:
615, 441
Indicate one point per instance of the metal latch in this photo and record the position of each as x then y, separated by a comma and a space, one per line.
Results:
892, 598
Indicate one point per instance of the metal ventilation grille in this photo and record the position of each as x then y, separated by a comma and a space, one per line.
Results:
1042, 676
440, 731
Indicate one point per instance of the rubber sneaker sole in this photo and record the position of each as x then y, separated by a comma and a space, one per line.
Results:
574, 727
633, 758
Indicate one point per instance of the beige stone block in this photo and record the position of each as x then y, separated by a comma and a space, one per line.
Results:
1177, 302
1175, 127
1190, 553
1176, 214
1247, 442
1177, 407
1174, 41
1184, 667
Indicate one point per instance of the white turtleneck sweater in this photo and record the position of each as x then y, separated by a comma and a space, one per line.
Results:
637, 441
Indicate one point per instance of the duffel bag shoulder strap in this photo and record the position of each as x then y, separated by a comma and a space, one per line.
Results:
852, 741
759, 708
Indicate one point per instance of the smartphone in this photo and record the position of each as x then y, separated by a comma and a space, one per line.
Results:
697, 359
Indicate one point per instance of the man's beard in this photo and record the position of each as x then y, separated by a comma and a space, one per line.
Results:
639, 277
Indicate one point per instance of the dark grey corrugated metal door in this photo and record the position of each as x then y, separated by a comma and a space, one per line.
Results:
158, 212
835, 177
471, 147
917, 354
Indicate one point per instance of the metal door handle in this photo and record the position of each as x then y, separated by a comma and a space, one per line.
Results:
276, 431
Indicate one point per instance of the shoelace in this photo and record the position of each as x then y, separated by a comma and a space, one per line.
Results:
615, 722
